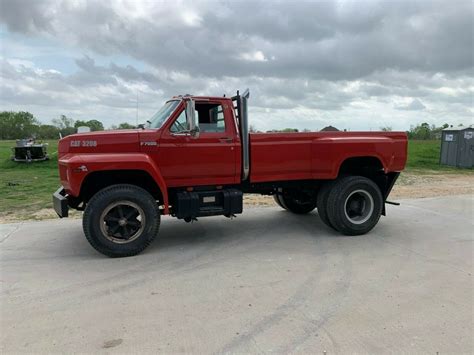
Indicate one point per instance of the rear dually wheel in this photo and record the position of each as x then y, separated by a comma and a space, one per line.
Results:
278, 202
322, 201
296, 201
354, 205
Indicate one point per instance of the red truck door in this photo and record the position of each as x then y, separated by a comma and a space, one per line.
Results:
209, 159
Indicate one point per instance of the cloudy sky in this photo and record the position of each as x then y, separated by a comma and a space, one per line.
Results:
358, 65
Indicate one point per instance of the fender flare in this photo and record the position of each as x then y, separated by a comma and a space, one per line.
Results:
125, 161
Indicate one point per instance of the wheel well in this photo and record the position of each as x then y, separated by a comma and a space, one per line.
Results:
371, 168
365, 166
98, 180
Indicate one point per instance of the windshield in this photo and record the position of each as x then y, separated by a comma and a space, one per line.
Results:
157, 120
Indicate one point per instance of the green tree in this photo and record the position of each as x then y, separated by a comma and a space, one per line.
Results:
65, 125
15, 125
80, 123
46, 131
125, 125
421, 131
424, 131
63, 122
94, 125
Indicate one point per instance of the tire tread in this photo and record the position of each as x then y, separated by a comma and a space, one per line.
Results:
323, 201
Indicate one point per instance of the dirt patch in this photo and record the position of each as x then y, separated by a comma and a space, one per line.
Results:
409, 185
38, 215
421, 186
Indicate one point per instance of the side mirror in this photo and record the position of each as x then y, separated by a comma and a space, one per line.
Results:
191, 119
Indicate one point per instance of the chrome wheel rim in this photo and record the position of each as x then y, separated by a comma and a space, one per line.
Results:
122, 222
359, 206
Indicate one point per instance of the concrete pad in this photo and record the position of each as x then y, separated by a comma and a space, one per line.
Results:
267, 281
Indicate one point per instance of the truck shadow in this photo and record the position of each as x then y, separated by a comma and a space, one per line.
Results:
262, 225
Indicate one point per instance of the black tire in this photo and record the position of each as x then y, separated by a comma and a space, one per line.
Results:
323, 195
297, 202
123, 236
278, 202
354, 205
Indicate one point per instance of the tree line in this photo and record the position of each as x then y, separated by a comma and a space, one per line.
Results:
423, 131
17, 125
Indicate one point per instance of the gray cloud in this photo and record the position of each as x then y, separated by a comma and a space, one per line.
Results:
325, 40
27, 16
328, 60
414, 105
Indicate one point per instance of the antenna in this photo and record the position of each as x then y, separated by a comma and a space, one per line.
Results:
137, 111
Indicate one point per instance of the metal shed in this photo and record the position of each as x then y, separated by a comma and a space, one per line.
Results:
457, 147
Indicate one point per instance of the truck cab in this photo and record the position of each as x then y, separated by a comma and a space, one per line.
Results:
209, 151
196, 158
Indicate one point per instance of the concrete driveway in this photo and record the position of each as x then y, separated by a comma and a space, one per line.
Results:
267, 281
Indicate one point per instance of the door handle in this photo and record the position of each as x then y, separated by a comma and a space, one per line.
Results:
225, 140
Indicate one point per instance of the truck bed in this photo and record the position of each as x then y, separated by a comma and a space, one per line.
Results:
319, 155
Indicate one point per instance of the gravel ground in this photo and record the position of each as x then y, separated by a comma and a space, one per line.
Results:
408, 186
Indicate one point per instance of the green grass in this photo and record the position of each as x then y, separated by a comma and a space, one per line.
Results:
423, 157
27, 188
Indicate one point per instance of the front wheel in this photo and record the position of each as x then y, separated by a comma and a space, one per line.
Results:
121, 220
354, 205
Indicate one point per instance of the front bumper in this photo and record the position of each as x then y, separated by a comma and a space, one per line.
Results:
60, 204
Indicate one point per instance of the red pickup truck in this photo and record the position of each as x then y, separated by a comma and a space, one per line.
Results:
197, 158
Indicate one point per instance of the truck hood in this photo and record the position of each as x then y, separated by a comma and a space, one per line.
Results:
118, 141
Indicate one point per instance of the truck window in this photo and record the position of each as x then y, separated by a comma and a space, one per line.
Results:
210, 117
157, 120
179, 124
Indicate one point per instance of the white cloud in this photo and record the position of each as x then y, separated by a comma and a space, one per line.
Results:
256, 56
191, 19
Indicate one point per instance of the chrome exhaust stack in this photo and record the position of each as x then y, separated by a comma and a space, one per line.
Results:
242, 116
